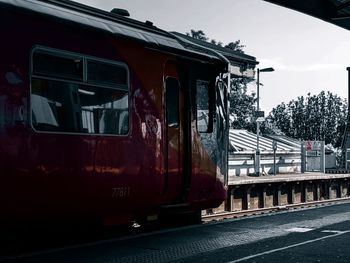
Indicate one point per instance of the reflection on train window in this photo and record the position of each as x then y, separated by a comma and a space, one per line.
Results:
172, 101
107, 74
80, 107
202, 99
60, 66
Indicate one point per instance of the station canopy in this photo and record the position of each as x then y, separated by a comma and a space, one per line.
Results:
244, 142
333, 11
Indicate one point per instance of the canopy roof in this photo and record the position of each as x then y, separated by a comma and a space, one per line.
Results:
242, 141
333, 11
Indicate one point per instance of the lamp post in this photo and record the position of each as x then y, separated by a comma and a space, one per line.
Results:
257, 164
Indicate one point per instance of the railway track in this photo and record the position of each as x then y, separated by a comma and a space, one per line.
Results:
259, 211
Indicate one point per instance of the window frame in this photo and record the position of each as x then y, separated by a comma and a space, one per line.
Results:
105, 85
65, 55
211, 98
178, 102
85, 58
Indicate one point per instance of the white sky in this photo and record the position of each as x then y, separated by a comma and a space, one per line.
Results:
309, 55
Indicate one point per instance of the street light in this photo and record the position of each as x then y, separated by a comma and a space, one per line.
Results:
257, 165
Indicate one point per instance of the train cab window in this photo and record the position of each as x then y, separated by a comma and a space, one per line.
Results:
172, 89
90, 105
202, 99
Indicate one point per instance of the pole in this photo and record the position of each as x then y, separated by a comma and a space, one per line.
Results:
348, 69
274, 146
274, 162
257, 158
323, 157
227, 133
345, 139
303, 157
257, 171
258, 85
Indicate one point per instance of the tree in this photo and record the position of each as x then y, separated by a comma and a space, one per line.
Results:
316, 117
242, 105
236, 46
213, 41
198, 34
278, 118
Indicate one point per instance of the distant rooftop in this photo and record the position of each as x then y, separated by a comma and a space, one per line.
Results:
241, 65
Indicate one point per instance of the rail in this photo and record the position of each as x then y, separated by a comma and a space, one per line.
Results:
259, 211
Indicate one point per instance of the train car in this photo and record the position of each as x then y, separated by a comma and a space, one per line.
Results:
104, 118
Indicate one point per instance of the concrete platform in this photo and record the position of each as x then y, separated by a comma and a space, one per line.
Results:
266, 191
295, 177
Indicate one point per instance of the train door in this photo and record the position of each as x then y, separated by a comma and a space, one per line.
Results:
174, 132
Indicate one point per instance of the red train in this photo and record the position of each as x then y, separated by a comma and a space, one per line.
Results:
104, 118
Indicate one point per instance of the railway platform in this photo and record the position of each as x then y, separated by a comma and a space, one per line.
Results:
308, 235
291, 177
266, 191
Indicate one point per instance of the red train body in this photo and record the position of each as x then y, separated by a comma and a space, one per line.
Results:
104, 118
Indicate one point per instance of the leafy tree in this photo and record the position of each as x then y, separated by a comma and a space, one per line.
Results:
198, 34
236, 46
242, 105
213, 41
316, 117
279, 118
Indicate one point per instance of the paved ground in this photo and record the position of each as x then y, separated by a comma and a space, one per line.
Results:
313, 235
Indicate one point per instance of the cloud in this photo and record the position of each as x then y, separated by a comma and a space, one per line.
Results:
279, 65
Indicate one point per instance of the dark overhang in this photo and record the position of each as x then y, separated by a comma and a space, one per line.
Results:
333, 11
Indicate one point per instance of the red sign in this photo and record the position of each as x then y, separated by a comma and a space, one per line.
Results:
308, 145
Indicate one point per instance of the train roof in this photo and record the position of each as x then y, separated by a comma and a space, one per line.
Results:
125, 27
108, 22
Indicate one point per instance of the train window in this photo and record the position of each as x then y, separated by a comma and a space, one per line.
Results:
104, 111
108, 74
61, 105
202, 99
53, 65
172, 101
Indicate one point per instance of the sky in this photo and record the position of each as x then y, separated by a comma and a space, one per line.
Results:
308, 54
